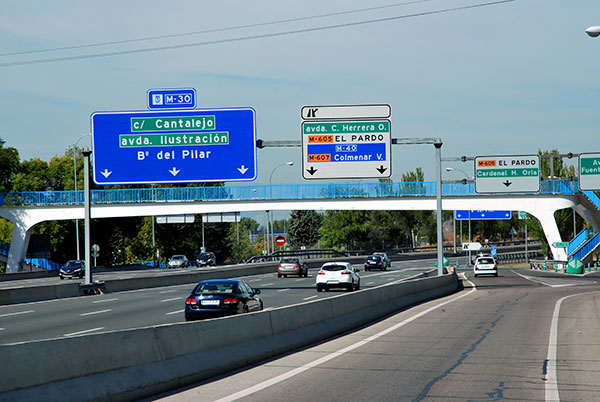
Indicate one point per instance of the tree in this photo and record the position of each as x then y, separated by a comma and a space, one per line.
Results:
9, 164
304, 228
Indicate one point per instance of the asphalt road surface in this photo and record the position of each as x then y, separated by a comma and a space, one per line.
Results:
523, 336
155, 306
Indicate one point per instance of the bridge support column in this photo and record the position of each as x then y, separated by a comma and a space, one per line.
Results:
546, 218
18, 247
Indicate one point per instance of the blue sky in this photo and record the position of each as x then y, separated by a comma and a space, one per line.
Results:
504, 79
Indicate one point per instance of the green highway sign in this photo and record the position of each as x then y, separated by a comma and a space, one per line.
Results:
507, 174
560, 244
589, 172
575, 266
346, 142
522, 215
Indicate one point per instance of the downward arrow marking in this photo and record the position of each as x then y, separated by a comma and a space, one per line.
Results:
106, 173
174, 171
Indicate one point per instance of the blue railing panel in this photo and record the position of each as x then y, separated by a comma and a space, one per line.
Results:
593, 198
587, 247
263, 192
577, 241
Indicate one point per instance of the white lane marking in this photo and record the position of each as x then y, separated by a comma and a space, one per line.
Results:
171, 299
551, 383
95, 312
311, 297
17, 313
105, 300
370, 283
176, 312
324, 359
1, 329
267, 284
84, 332
169, 291
534, 279
283, 290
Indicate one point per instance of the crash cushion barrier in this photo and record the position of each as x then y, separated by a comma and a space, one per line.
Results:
132, 364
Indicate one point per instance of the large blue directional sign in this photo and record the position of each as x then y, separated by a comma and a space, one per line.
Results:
144, 147
463, 215
161, 99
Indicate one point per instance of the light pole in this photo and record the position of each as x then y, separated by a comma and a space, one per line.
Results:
450, 169
271, 248
593, 31
75, 179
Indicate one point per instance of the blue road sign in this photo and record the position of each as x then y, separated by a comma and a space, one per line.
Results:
493, 251
165, 99
463, 215
143, 147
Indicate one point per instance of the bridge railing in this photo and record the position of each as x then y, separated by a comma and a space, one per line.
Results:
260, 192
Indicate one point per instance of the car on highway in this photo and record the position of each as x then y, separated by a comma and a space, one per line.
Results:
386, 259
206, 258
375, 262
178, 261
337, 275
485, 266
292, 266
221, 297
72, 269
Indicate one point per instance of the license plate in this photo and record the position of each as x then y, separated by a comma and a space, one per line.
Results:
332, 281
209, 302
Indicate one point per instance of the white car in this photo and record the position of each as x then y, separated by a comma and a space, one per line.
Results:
178, 261
485, 266
337, 275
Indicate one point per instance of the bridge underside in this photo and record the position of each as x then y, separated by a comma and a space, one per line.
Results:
541, 206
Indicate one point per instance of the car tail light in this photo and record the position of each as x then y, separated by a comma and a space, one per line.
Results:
297, 265
321, 273
191, 300
379, 263
230, 300
279, 265
345, 272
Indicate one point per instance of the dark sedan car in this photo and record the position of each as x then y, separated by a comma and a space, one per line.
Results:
221, 297
375, 262
72, 269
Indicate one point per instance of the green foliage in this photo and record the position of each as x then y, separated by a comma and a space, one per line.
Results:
304, 228
9, 164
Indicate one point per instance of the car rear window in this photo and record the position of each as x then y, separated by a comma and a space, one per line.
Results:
485, 260
373, 258
289, 260
215, 287
334, 268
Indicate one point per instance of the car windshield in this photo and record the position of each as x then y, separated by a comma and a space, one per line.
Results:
73, 264
178, 257
215, 287
204, 255
289, 261
334, 268
485, 260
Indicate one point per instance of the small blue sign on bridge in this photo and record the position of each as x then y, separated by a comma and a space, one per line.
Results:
165, 99
465, 215
144, 147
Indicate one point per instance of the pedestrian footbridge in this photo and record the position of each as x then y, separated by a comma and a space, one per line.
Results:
27, 209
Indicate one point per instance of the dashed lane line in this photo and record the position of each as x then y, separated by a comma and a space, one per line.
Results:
95, 312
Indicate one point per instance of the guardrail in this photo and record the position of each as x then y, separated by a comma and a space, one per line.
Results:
548, 265
133, 364
260, 192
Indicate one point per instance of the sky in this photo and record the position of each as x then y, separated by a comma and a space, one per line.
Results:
501, 79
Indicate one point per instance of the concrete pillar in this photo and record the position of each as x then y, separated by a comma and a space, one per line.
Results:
546, 218
18, 247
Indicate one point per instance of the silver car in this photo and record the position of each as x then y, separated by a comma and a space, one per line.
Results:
292, 266
178, 261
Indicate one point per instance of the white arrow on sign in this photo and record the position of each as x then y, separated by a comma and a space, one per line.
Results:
242, 169
174, 171
106, 173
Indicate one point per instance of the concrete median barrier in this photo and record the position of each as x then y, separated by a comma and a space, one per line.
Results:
128, 365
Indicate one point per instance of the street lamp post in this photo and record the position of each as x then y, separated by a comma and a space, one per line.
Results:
75, 179
593, 31
270, 215
450, 169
